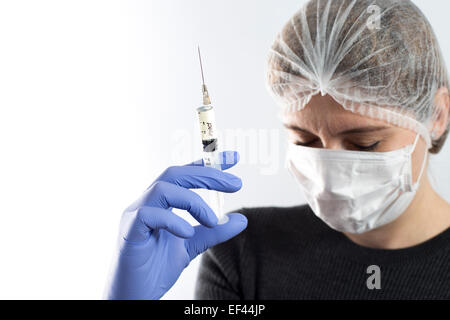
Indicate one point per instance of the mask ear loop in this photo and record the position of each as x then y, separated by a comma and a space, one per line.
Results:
415, 143
423, 163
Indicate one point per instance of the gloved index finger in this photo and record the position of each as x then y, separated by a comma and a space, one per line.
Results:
166, 195
194, 177
228, 159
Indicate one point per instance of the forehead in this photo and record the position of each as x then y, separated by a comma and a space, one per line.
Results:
324, 113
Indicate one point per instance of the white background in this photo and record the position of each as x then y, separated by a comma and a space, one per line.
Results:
95, 96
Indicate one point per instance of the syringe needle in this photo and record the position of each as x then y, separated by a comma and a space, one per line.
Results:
206, 99
201, 66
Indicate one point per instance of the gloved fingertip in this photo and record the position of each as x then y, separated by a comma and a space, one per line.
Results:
234, 183
234, 225
238, 183
229, 158
238, 217
209, 218
213, 220
234, 220
236, 156
188, 233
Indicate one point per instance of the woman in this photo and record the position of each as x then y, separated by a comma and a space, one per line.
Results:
364, 95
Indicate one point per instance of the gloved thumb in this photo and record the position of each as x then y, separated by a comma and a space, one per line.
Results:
205, 237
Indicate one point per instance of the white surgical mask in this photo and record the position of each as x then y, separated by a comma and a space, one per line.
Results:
355, 191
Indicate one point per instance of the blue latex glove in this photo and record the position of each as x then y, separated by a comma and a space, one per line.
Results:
155, 245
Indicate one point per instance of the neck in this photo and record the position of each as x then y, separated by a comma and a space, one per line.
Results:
427, 216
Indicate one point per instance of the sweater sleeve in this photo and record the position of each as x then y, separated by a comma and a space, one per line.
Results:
219, 275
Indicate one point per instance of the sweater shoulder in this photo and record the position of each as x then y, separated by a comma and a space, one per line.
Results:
273, 227
299, 221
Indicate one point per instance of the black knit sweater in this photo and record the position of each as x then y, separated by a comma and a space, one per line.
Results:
289, 253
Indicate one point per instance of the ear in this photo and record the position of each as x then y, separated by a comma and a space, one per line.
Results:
442, 103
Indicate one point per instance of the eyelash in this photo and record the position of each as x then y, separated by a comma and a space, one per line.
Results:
362, 148
368, 148
304, 144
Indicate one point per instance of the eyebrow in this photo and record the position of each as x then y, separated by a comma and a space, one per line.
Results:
353, 130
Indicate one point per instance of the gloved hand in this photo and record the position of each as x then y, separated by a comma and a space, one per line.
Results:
155, 245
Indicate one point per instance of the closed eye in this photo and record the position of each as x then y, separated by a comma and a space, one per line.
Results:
367, 148
357, 146
305, 144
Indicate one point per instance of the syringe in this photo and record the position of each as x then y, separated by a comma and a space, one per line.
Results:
211, 155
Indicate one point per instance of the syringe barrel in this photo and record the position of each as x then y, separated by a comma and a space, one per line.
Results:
211, 156
208, 133
207, 119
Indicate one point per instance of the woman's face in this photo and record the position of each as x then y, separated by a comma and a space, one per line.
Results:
324, 123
